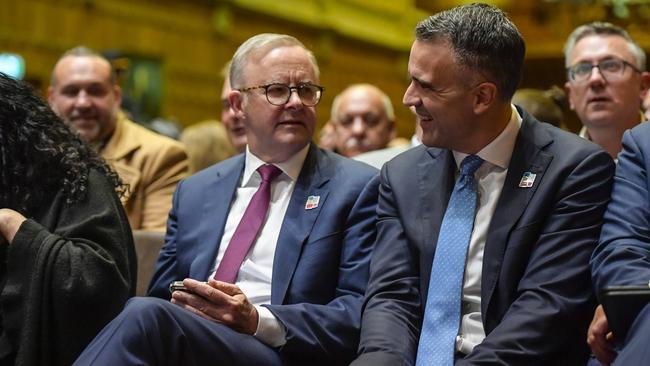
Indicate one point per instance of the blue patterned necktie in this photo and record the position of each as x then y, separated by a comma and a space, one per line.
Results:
442, 312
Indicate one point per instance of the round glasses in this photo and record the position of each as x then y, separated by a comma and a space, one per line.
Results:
279, 94
610, 69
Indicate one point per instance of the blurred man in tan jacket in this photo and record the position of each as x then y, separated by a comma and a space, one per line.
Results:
84, 93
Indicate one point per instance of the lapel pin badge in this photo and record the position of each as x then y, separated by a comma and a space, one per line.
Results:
312, 202
527, 180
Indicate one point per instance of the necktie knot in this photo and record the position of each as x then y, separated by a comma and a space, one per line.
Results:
269, 172
469, 165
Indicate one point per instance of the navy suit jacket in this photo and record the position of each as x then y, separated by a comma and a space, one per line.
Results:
536, 295
320, 270
623, 253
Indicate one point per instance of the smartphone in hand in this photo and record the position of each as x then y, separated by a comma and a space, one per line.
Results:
177, 286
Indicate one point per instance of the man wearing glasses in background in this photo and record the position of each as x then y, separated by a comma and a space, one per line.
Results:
285, 277
607, 83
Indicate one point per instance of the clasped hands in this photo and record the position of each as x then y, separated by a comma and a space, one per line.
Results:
220, 302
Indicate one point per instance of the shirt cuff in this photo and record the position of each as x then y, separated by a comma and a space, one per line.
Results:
269, 329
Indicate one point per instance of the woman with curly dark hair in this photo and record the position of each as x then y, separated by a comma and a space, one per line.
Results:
67, 261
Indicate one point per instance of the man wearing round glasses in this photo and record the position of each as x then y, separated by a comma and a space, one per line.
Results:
272, 246
606, 82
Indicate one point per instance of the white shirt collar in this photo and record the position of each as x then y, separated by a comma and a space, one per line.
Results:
290, 167
499, 151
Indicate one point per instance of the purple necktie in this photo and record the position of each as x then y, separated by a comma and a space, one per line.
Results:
248, 227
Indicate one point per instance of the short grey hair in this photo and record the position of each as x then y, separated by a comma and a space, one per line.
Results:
388, 105
483, 40
83, 51
604, 29
259, 43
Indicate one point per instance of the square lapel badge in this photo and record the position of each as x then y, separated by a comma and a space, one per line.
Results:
312, 202
527, 180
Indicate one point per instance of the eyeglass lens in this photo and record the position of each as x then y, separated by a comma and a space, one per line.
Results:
279, 94
610, 68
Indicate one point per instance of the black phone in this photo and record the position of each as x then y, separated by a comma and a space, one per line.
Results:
177, 286
622, 304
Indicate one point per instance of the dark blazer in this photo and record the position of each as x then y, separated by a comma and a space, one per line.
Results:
535, 286
321, 261
623, 254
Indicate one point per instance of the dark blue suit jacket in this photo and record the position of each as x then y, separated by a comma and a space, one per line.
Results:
320, 270
623, 253
536, 285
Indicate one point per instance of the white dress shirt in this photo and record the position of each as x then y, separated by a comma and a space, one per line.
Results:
490, 178
255, 274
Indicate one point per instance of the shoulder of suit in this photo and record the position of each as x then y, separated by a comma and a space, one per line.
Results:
148, 138
346, 165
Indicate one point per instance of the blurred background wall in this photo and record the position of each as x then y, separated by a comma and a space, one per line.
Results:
171, 51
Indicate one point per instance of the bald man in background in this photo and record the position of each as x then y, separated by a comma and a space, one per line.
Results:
363, 120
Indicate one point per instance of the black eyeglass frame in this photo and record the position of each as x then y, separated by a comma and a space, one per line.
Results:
571, 74
319, 92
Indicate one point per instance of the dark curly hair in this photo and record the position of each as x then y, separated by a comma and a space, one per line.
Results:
39, 155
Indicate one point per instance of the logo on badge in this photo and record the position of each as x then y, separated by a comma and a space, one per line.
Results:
527, 180
312, 202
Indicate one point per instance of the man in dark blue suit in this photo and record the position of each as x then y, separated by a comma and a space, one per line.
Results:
622, 256
524, 293
296, 295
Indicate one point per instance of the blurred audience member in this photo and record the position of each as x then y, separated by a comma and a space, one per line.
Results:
377, 158
363, 119
234, 126
84, 94
545, 105
207, 143
606, 82
67, 262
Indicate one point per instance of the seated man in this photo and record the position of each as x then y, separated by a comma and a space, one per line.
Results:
363, 120
84, 93
484, 234
622, 256
285, 278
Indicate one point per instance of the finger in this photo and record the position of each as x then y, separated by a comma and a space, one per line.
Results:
228, 288
206, 291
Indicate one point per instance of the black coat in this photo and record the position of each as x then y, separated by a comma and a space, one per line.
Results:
67, 273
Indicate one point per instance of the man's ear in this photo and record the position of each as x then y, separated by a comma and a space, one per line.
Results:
117, 91
485, 94
567, 90
50, 95
393, 130
645, 84
236, 100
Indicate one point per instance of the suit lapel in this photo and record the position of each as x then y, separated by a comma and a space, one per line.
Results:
528, 156
219, 194
436, 174
298, 221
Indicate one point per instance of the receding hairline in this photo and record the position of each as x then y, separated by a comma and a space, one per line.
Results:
261, 45
603, 29
386, 103
82, 52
